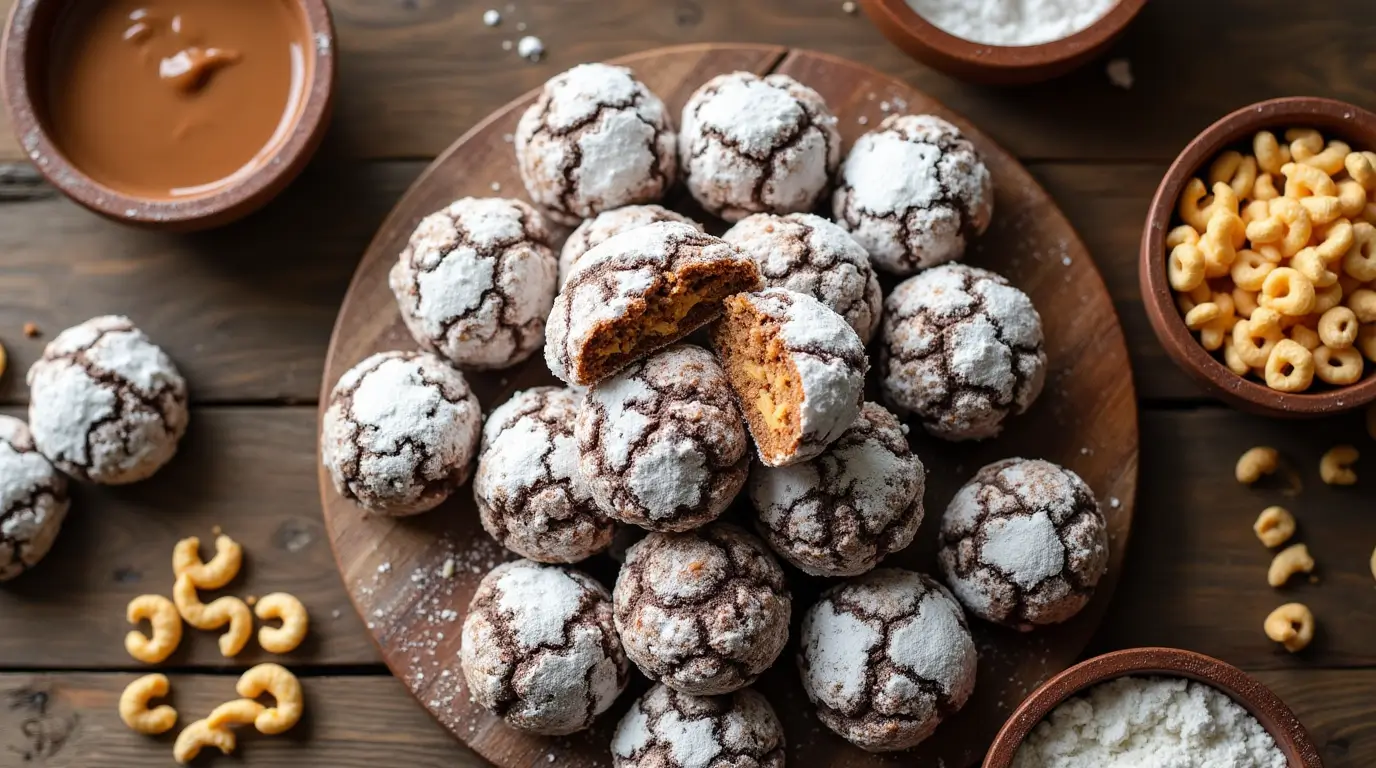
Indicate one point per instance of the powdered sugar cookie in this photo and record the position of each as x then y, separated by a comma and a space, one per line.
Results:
638, 292
661, 443
962, 349
914, 192
703, 612
1024, 543
752, 144
33, 500
540, 649
596, 139
106, 404
810, 255
529, 493
840, 513
476, 281
885, 657
668, 729
797, 368
609, 224
400, 432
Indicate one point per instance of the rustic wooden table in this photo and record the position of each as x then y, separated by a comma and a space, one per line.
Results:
247, 311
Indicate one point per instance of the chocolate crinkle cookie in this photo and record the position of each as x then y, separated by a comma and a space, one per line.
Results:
539, 648
638, 292
886, 657
914, 192
703, 612
609, 224
530, 495
400, 432
668, 729
751, 144
106, 404
810, 255
33, 500
476, 281
840, 513
798, 370
1024, 543
661, 443
596, 139
962, 349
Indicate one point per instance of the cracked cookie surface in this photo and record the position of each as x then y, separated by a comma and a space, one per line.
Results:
595, 139
913, 192
530, 496
400, 432
475, 282
540, 649
33, 500
751, 144
808, 254
662, 444
668, 729
962, 349
106, 405
609, 224
703, 612
886, 657
840, 513
1024, 543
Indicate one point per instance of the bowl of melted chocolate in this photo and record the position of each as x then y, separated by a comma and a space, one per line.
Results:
175, 114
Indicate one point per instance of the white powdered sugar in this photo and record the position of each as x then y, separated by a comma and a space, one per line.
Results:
808, 254
400, 432
1024, 543
668, 729
107, 405
912, 192
608, 224
476, 281
540, 602
885, 656
33, 500
750, 144
1150, 722
1012, 22
595, 140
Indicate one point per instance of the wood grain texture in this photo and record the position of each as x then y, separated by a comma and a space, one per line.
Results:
1088, 406
416, 73
363, 722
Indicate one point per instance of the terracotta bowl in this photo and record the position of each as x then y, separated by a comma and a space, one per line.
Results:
996, 64
1256, 698
24, 58
1335, 119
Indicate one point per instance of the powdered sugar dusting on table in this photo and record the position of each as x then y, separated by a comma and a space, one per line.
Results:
1012, 22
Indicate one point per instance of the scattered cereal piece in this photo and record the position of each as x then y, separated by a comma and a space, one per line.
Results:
1255, 463
1291, 625
1274, 526
4, 360
1288, 562
1371, 421
133, 706
197, 736
31, 330
1336, 465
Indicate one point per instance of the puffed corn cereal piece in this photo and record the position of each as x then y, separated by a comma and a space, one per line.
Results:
1258, 461
1270, 153
1331, 160
1338, 328
1338, 367
236, 712
1304, 143
1324, 300
196, 737
1288, 562
221, 611
1288, 292
1264, 188
1359, 260
1290, 368
186, 559
1308, 263
1361, 166
1220, 242
1235, 170
1250, 269
166, 629
283, 686
1274, 526
1366, 343
1182, 234
1306, 181
1351, 198
1197, 210
1245, 302
1254, 346
1185, 267
1322, 209
133, 706
1291, 625
295, 621
1335, 467
1231, 359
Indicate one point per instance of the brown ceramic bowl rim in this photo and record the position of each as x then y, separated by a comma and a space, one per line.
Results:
1260, 701
234, 200
1009, 58
1342, 118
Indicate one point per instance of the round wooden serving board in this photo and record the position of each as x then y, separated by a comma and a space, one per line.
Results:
1086, 420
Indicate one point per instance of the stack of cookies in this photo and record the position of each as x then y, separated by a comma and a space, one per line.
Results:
694, 368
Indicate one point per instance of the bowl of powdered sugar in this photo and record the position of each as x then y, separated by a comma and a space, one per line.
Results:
1149, 708
1003, 41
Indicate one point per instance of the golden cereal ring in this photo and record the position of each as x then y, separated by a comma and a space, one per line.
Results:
1305, 337
1322, 208
1231, 359
1351, 197
1256, 210
1220, 242
1202, 315
1335, 240
1366, 342
1250, 269
1309, 263
1327, 298
1359, 262
1363, 304
1361, 166
1290, 367
1338, 328
1185, 267
1264, 188
1212, 335
133, 706
283, 686
236, 712
196, 737
1182, 234
1304, 143
1255, 462
166, 629
1338, 367
1266, 320
1306, 181
186, 558
1252, 346
1291, 625
1299, 228
1288, 292
1245, 302
1201, 294
1268, 152
1335, 466
1235, 170
295, 622
1331, 160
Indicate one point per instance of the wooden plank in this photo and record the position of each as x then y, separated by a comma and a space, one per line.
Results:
249, 470
69, 721
415, 75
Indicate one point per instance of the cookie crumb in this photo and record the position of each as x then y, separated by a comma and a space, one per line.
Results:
251, 600
32, 330
492, 17
530, 48
506, 46
848, 7
1120, 73
217, 530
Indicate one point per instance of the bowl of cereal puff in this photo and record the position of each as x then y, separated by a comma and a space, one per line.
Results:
1258, 260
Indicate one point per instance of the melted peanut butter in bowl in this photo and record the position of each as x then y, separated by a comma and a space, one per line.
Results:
175, 99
